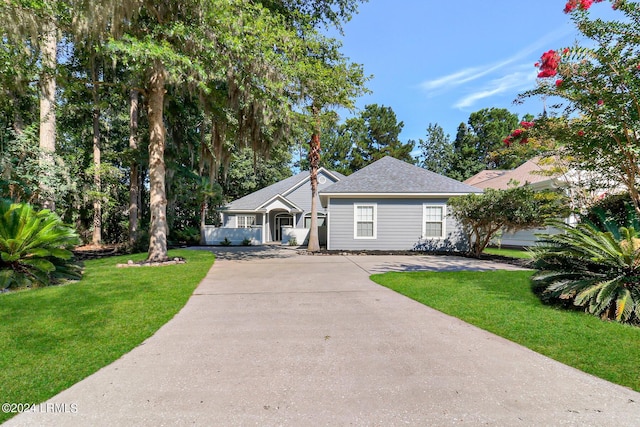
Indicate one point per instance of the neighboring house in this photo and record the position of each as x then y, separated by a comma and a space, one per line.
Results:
534, 173
276, 213
531, 172
388, 205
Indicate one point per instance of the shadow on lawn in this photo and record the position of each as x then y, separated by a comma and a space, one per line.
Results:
443, 263
247, 253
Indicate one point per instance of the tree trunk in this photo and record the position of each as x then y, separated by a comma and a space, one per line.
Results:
18, 121
158, 200
203, 216
97, 161
47, 112
134, 188
201, 162
314, 162
97, 181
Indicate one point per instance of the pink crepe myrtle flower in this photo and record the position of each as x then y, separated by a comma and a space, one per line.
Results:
519, 134
558, 82
550, 59
549, 64
579, 4
570, 6
547, 73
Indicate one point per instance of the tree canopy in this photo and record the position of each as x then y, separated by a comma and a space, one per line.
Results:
478, 145
376, 135
596, 123
145, 98
371, 134
436, 152
476, 142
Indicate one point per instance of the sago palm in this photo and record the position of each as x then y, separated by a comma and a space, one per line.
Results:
596, 269
34, 247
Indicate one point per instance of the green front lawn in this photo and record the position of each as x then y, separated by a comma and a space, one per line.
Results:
501, 302
53, 337
511, 253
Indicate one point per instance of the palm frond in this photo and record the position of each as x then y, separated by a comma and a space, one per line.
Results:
597, 269
625, 305
34, 247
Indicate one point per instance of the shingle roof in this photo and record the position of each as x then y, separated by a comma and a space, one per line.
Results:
257, 198
528, 172
392, 176
485, 175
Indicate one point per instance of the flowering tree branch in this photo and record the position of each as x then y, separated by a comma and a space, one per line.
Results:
599, 125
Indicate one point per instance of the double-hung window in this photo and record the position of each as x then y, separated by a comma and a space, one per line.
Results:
365, 219
433, 222
246, 221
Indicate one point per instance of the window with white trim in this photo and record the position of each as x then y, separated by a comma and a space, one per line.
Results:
246, 221
365, 221
433, 221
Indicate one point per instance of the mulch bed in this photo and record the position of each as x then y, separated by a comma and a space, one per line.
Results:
86, 252
171, 261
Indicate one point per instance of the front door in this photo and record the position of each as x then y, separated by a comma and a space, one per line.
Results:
281, 221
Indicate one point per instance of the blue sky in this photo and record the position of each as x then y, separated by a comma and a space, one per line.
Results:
439, 61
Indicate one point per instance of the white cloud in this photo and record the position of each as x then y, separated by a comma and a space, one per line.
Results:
466, 75
461, 77
517, 80
451, 80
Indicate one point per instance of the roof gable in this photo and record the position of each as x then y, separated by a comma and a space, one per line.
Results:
530, 172
280, 202
392, 176
259, 198
485, 175
333, 176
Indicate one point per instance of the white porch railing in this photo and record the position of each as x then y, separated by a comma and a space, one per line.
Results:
215, 235
302, 235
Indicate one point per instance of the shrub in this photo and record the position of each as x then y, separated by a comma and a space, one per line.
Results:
614, 207
34, 247
246, 242
293, 241
187, 235
226, 242
596, 269
517, 208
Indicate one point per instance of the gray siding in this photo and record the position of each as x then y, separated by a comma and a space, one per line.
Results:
399, 226
523, 238
301, 196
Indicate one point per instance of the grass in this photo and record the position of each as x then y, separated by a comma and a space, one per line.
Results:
511, 253
51, 338
501, 302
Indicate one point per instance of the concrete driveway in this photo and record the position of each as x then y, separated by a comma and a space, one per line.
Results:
274, 338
